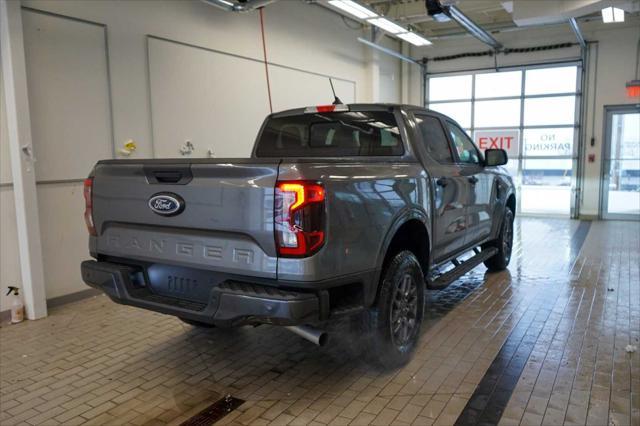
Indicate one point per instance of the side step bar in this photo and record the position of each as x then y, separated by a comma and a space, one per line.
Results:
460, 269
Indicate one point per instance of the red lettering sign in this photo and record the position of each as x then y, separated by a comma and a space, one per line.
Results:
498, 139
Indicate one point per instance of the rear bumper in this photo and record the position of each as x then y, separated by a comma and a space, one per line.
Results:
231, 303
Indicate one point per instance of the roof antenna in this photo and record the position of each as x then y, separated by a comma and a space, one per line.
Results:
336, 100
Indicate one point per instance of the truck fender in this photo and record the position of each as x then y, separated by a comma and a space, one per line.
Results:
401, 218
501, 205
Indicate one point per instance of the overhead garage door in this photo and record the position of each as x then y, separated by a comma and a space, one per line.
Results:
537, 108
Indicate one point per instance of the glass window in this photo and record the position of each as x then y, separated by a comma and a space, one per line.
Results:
548, 142
459, 111
498, 84
555, 172
544, 81
543, 110
449, 88
549, 111
333, 134
504, 113
546, 186
625, 136
466, 151
624, 187
512, 168
434, 138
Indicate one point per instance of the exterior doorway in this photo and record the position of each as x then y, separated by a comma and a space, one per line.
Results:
620, 195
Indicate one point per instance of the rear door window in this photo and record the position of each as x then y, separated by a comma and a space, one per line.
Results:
336, 134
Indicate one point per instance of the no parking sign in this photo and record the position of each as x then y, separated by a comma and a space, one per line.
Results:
509, 140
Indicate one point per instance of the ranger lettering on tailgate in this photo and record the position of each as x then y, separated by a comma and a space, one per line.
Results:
181, 248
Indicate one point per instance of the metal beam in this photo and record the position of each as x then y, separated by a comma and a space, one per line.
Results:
576, 30
14, 79
473, 28
389, 51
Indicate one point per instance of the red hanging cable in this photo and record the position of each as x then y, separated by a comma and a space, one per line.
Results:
266, 66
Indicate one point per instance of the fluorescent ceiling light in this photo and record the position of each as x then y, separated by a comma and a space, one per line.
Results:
612, 14
387, 25
361, 12
353, 8
415, 39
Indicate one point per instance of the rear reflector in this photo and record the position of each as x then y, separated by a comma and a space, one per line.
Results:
88, 206
299, 218
326, 108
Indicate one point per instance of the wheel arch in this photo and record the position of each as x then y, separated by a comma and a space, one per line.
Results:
410, 231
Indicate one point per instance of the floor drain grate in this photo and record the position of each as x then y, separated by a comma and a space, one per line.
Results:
214, 412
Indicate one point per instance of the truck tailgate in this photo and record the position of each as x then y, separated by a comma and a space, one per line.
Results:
225, 224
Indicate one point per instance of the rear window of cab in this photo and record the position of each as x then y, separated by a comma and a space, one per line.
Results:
334, 134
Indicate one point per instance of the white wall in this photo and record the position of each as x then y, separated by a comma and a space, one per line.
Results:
390, 72
89, 104
9, 262
616, 52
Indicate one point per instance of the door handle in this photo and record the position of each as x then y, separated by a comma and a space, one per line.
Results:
472, 179
442, 181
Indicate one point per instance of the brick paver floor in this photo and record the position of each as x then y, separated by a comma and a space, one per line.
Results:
563, 316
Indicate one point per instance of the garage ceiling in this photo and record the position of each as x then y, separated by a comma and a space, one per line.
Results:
493, 15
487, 13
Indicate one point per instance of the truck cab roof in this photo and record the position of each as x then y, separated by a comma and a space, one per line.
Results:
361, 107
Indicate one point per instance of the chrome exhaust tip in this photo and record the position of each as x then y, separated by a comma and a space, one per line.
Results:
313, 335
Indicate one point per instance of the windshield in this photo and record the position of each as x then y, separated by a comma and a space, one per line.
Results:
336, 134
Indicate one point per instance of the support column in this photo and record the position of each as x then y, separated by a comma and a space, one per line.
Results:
22, 168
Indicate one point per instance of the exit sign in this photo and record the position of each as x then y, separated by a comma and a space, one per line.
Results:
509, 140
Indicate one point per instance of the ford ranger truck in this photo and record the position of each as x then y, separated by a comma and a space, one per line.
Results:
341, 210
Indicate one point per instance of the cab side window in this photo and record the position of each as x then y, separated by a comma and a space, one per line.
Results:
434, 138
466, 151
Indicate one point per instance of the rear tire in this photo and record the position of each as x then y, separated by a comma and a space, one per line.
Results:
196, 323
395, 320
504, 244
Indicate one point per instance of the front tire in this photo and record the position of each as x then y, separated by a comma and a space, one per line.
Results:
396, 319
504, 244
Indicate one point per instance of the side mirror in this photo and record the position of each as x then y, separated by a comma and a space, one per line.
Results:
495, 157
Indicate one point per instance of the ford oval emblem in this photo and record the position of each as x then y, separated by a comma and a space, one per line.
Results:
166, 204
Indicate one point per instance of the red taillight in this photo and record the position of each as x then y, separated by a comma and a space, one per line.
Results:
88, 206
299, 218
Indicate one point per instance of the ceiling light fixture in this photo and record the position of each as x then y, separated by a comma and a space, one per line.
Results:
387, 25
612, 14
415, 39
353, 8
370, 17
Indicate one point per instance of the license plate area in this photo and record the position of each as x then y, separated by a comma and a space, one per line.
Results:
182, 283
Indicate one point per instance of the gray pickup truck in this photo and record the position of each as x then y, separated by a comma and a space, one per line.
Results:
341, 210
